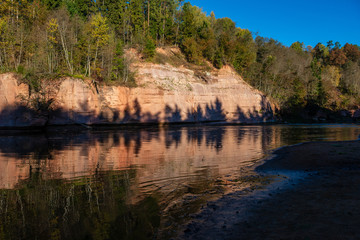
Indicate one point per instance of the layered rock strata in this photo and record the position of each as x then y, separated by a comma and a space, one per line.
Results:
165, 94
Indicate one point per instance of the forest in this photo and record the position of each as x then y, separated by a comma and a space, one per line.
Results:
87, 39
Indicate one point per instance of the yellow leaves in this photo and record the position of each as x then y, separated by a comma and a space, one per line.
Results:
3, 26
99, 30
52, 28
17, 10
3, 31
332, 75
6, 7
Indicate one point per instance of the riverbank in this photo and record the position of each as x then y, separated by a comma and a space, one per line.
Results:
318, 199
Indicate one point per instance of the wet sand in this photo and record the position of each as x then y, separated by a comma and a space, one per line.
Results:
319, 198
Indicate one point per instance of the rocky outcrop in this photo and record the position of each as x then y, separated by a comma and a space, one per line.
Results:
14, 112
165, 94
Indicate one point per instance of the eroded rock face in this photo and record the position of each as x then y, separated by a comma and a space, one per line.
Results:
165, 95
13, 113
169, 94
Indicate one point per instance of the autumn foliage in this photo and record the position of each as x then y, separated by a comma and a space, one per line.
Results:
87, 38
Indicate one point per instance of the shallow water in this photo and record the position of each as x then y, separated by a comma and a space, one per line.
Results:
136, 183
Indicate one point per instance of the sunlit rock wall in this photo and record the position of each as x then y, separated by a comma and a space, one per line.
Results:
164, 94
12, 112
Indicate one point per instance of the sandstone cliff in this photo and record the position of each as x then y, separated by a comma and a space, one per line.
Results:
165, 94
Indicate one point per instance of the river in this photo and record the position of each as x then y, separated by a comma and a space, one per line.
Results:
132, 183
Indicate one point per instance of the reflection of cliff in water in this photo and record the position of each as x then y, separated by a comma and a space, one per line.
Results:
130, 183
106, 184
157, 154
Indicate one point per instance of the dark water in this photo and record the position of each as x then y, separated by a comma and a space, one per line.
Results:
134, 183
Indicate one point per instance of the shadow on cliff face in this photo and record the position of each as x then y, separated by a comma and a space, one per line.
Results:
132, 114
172, 115
265, 114
22, 116
214, 112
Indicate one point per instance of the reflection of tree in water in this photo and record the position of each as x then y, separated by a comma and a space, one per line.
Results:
268, 135
241, 132
99, 207
93, 208
195, 134
214, 137
36, 145
172, 135
132, 136
296, 134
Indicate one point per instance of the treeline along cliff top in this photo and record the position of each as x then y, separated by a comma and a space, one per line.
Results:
85, 38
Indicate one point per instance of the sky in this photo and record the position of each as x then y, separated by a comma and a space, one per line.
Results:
289, 21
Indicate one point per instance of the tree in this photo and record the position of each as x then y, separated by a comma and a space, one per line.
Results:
191, 50
337, 57
99, 37
52, 41
3, 42
188, 27
351, 52
67, 38
244, 50
330, 44
51, 4
337, 45
331, 75
149, 50
350, 79
137, 19
83, 8
118, 63
321, 52
298, 46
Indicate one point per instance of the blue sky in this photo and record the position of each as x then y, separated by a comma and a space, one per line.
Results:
289, 21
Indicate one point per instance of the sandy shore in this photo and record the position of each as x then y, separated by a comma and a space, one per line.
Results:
319, 198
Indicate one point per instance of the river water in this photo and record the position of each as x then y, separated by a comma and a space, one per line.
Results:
134, 183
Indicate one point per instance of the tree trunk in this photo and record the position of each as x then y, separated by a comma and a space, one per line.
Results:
148, 14
62, 32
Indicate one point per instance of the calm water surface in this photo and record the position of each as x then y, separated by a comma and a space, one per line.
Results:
131, 184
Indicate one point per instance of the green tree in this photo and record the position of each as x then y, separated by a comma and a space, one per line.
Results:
137, 19
118, 63
99, 37
3, 42
337, 45
191, 50
83, 8
321, 52
52, 43
244, 50
150, 49
330, 44
298, 46
52, 4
